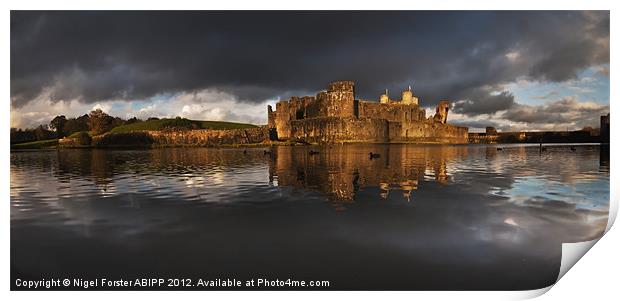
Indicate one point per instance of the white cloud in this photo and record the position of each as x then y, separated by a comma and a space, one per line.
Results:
513, 56
105, 107
201, 105
568, 113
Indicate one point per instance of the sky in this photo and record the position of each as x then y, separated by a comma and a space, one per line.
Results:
515, 70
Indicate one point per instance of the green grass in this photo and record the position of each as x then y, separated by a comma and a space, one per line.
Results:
78, 134
223, 125
36, 144
178, 123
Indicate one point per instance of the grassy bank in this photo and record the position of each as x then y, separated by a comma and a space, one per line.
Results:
36, 144
179, 123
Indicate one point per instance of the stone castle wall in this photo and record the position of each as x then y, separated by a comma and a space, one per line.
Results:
431, 132
335, 115
335, 129
340, 99
391, 112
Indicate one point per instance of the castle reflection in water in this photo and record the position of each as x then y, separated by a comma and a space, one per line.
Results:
341, 172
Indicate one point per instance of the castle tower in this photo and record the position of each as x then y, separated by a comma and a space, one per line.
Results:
271, 124
271, 117
341, 99
384, 98
441, 112
408, 97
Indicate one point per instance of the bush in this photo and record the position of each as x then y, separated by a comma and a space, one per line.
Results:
124, 139
178, 123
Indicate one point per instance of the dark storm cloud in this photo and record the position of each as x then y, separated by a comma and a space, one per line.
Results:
462, 56
484, 102
480, 124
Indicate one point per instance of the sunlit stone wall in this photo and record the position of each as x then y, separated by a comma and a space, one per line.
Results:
211, 137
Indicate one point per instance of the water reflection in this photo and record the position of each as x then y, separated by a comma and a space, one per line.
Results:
417, 217
341, 172
604, 157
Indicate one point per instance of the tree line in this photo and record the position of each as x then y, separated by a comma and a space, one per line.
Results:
96, 122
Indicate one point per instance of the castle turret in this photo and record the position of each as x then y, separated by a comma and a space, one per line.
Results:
384, 98
408, 97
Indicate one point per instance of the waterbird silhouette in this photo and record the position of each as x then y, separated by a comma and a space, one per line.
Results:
499, 148
572, 149
373, 155
313, 152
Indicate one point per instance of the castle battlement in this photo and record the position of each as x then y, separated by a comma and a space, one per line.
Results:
335, 115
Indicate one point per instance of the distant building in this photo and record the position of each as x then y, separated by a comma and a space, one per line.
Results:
605, 128
489, 136
335, 115
491, 130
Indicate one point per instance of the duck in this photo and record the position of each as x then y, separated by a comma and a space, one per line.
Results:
572, 149
313, 152
499, 148
267, 152
373, 155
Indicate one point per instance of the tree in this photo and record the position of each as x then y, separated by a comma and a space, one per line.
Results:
132, 120
74, 125
41, 133
99, 122
117, 122
57, 124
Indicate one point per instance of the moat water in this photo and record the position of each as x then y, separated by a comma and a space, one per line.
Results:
417, 217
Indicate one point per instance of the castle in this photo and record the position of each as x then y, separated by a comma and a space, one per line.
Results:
335, 115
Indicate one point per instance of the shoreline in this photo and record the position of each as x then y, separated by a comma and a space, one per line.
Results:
294, 144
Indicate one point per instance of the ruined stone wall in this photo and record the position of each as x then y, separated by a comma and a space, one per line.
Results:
271, 117
311, 107
334, 129
392, 111
283, 119
210, 137
336, 116
432, 132
441, 112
